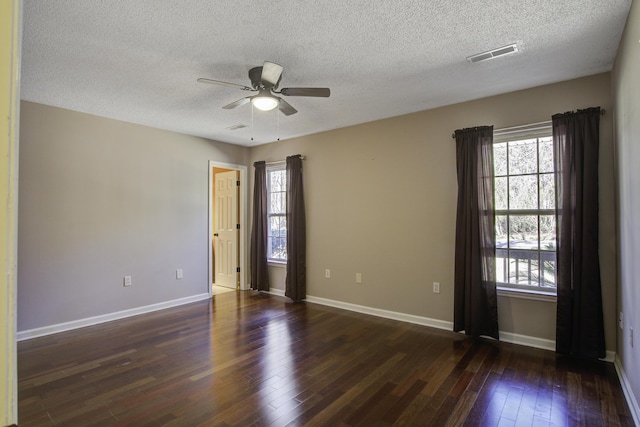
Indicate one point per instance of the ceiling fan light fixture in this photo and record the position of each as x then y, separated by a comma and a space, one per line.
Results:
264, 102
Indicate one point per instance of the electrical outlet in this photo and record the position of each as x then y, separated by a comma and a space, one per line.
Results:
621, 321
436, 287
327, 274
358, 277
179, 274
126, 281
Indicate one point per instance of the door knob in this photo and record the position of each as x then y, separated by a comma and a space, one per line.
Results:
215, 234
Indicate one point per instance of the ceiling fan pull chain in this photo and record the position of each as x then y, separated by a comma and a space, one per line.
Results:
252, 127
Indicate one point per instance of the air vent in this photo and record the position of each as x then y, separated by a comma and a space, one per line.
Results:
501, 51
236, 127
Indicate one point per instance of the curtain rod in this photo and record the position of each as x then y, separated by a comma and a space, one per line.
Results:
531, 126
279, 162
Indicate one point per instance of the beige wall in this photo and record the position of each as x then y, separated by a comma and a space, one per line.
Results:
102, 199
626, 92
9, 112
381, 201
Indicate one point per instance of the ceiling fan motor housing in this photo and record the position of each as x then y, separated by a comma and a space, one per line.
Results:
255, 75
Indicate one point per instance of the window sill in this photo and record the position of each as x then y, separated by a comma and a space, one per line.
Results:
279, 264
530, 295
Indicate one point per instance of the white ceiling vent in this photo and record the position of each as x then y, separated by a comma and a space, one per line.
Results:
501, 51
236, 127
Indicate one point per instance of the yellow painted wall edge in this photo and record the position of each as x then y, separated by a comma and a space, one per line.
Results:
10, 36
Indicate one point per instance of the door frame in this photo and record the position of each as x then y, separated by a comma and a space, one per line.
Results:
242, 216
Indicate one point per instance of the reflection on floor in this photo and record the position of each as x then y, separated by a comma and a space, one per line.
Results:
221, 290
253, 359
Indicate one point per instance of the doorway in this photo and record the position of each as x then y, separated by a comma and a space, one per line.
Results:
227, 231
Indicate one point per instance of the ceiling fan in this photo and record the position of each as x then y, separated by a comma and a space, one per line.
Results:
265, 81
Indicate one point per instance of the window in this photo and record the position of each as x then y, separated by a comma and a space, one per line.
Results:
525, 200
277, 213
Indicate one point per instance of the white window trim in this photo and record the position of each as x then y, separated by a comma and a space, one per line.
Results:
528, 294
276, 167
276, 263
514, 133
534, 130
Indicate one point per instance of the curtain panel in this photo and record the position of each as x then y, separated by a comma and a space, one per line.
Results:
296, 282
258, 260
579, 322
475, 297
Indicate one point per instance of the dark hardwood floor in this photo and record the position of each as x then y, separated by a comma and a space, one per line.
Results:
253, 359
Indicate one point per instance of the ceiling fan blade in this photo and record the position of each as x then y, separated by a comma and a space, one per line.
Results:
218, 82
285, 107
271, 73
237, 103
306, 91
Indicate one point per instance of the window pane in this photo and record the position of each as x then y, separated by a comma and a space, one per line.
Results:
500, 159
523, 157
525, 240
277, 208
277, 244
523, 267
533, 270
278, 226
501, 231
548, 232
523, 232
547, 191
548, 271
278, 203
278, 248
502, 265
545, 148
278, 180
523, 192
501, 193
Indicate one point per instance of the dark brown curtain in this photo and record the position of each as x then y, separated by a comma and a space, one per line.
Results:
579, 322
296, 283
259, 270
475, 300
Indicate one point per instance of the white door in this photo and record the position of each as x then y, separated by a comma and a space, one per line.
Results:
226, 229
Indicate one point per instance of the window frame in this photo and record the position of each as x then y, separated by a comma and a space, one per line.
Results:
280, 167
535, 131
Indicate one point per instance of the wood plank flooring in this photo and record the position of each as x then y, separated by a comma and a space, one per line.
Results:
248, 359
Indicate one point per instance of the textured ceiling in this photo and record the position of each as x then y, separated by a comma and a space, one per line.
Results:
138, 61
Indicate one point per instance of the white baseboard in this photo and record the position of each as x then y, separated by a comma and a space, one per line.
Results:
277, 292
508, 337
632, 401
89, 321
610, 357
394, 315
433, 323
528, 341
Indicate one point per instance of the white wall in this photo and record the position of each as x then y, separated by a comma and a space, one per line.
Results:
626, 93
101, 199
